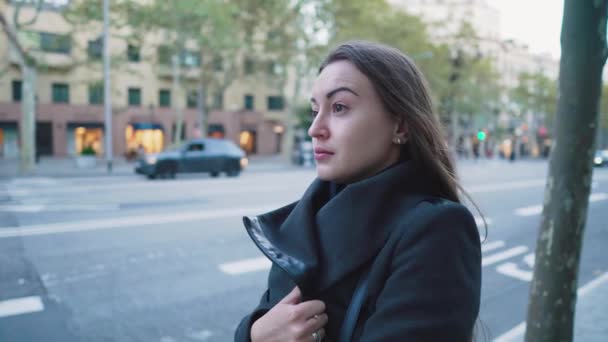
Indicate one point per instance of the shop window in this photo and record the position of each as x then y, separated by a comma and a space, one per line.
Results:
164, 98
249, 104
150, 137
216, 131
134, 96
61, 93
247, 141
88, 137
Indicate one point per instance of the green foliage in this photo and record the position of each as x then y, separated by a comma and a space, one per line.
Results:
88, 151
536, 93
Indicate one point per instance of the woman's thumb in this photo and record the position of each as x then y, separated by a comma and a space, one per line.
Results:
293, 297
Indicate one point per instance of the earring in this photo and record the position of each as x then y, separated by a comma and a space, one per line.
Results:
399, 141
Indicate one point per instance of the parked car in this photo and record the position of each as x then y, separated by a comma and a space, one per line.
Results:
198, 155
601, 158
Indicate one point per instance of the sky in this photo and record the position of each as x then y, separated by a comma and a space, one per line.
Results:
536, 23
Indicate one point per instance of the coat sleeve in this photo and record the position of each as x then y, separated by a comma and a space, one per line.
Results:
242, 333
433, 289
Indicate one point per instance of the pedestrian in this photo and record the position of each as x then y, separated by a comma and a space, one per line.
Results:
379, 247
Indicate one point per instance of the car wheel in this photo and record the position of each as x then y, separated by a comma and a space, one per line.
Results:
233, 172
151, 176
214, 174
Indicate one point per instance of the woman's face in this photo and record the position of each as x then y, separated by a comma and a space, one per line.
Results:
352, 134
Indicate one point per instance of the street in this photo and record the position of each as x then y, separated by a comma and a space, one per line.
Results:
121, 258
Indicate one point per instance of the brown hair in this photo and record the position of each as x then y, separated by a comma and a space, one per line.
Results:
405, 94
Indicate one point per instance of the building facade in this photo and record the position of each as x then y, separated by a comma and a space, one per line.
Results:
145, 102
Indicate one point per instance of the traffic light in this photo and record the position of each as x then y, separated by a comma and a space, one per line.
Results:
481, 135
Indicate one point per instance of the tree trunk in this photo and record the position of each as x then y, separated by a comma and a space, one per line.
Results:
28, 121
554, 286
179, 114
202, 109
290, 119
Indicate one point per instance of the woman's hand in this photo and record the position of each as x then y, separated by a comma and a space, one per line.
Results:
291, 321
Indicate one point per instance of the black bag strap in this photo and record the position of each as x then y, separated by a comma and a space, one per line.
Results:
356, 302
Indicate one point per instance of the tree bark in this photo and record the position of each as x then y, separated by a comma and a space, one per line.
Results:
28, 121
554, 286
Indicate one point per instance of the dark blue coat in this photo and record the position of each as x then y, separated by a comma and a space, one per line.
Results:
424, 258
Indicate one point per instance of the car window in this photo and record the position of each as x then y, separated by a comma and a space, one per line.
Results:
196, 147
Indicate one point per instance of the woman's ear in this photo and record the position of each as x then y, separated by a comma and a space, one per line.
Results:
401, 128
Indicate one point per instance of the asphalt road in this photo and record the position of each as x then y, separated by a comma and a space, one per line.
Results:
126, 259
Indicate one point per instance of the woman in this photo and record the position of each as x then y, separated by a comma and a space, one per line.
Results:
385, 207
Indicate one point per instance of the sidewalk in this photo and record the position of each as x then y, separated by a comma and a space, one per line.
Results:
66, 167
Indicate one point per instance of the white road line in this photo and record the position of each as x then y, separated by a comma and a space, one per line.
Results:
510, 269
490, 246
19, 306
517, 332
247, 265
529, 259
537, 209
529, 211
498, 257
600, 196
132, 221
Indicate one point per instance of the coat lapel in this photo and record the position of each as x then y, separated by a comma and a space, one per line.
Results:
330, 239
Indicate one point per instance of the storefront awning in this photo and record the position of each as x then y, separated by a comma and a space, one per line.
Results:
146, 125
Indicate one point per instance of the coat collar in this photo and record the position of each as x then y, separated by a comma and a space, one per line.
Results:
326, 239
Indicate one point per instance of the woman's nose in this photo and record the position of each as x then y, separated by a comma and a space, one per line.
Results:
318, 129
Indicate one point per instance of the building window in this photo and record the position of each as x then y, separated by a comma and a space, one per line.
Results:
57, 43
133, 53
134, 97
249, 65
249, 102
218, 63
164, 55
218, 100
61, 93
276, 103
164, 98
17, 84
94, 48
192, 99
190, 59
96, 94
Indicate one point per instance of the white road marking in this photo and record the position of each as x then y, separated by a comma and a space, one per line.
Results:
498, 257
529, 259
600, 196
510, 269
529, 211
247, 265
131, 221
517, 332
490, 246
19, 306
537, 209
36, 208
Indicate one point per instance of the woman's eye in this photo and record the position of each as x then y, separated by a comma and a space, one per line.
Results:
339, 108
313, 113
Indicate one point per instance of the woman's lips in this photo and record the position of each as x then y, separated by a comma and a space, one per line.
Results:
322, 154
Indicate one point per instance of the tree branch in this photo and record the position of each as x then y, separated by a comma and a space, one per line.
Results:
12, 37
